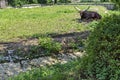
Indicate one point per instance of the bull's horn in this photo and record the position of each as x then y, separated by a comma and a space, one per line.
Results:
87, 8
77, 8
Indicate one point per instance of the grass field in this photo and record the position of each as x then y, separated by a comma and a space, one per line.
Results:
28, 23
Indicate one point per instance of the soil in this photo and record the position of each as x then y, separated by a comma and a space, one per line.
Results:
24, 45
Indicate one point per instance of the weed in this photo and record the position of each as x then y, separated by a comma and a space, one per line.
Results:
49, 44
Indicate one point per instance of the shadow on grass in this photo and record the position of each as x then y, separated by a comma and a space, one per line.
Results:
30, 47
78, 20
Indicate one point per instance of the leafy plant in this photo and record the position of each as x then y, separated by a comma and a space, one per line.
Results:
49, 44
93, 24
103, 50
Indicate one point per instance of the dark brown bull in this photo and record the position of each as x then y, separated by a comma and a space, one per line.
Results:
88, 14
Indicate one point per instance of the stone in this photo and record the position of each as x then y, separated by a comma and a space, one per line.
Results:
11, 68
2, 3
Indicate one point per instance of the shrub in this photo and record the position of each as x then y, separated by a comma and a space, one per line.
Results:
49, 44
17, 3
32, 1
103, 50
42, 1
64, 1
117, 2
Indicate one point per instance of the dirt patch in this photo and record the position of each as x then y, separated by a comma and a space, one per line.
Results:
74, 35
21, 44
24, 46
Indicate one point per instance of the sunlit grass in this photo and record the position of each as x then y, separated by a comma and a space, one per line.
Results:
23, 23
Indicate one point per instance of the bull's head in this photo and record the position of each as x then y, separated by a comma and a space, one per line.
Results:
81, 11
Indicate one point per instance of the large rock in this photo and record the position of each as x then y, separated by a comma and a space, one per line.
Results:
2, 3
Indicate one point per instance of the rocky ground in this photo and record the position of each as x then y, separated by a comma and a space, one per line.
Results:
13, 64
11, 68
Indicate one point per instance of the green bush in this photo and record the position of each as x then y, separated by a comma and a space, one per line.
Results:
64, 1
117, 2
49, 44
17, 3
42, 1
32, 1
103, 51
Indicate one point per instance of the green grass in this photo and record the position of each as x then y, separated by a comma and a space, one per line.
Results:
24, 23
